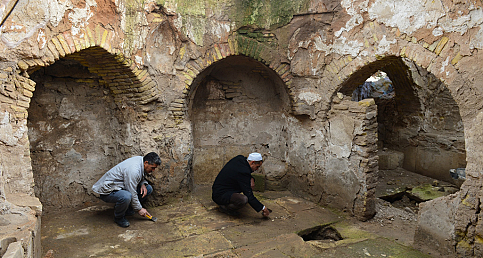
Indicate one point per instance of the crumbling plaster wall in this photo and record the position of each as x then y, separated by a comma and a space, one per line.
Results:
323, 42
76, 134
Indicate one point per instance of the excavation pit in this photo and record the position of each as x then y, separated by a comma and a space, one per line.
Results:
321, 232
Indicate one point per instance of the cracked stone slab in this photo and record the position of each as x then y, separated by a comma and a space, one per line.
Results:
295, 204
285, 245
378, 247
208, 243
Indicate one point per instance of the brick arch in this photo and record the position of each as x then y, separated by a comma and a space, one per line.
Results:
438, 57
125, 80
236, 45
428, 55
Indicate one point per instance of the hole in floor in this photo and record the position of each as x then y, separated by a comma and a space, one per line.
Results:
403, 200
321, 232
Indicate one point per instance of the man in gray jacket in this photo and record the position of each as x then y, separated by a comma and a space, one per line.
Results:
126, 186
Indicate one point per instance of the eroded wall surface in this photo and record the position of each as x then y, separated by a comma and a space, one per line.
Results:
76, 134
239, 107
149, 55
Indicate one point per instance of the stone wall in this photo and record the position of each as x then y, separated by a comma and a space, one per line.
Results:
20, 211
345, 158
150, 57
432, 136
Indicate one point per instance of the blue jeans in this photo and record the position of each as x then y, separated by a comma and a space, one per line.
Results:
122, 200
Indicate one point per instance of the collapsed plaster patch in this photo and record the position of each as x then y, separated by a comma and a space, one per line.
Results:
407, 15
194, 28
41, 38
309, 97
444, 64
341, 46
25, 20
341, 130
8, 135
356, 17
220, 29
477, 40
56, 10
79, 16
134, 24
384, 45
139, 60
461, 24
31, 20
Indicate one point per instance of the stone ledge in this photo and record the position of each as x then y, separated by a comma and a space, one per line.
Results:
24, 200
14, 250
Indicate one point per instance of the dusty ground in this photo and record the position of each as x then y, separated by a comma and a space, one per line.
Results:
193, 227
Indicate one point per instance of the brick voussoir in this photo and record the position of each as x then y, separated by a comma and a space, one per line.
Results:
70, 42
64, 44
90, 37
58, 47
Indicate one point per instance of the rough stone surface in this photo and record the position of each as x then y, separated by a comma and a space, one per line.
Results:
194, 227
390, 159
73, 145
158, 68
436, 223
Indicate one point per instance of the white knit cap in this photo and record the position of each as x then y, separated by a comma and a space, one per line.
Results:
255, 157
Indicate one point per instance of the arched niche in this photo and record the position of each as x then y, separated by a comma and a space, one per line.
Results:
422, 121
76, 131
237, 106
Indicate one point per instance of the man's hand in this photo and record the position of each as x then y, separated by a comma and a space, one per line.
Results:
252, 183
144, 190
143, 212
265, 212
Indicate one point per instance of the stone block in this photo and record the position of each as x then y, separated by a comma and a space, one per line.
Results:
232, 95
456, 59
31, 62
14, 250
22, 65
24, 104
259, 182
390, 159
274, 168
441, 45
27, 93
70, 42
436, 223
58, 47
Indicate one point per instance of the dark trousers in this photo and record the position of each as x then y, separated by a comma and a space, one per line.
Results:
122, 200
237, 201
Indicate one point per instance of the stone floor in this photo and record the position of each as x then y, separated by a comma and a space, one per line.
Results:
193, 227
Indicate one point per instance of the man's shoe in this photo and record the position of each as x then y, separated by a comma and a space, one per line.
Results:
122, 222
225, 210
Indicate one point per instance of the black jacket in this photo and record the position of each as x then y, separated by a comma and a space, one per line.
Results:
235, 177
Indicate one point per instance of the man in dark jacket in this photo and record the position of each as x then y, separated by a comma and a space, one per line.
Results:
235, 178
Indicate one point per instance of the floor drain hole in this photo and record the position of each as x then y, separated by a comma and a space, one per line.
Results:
320, 233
